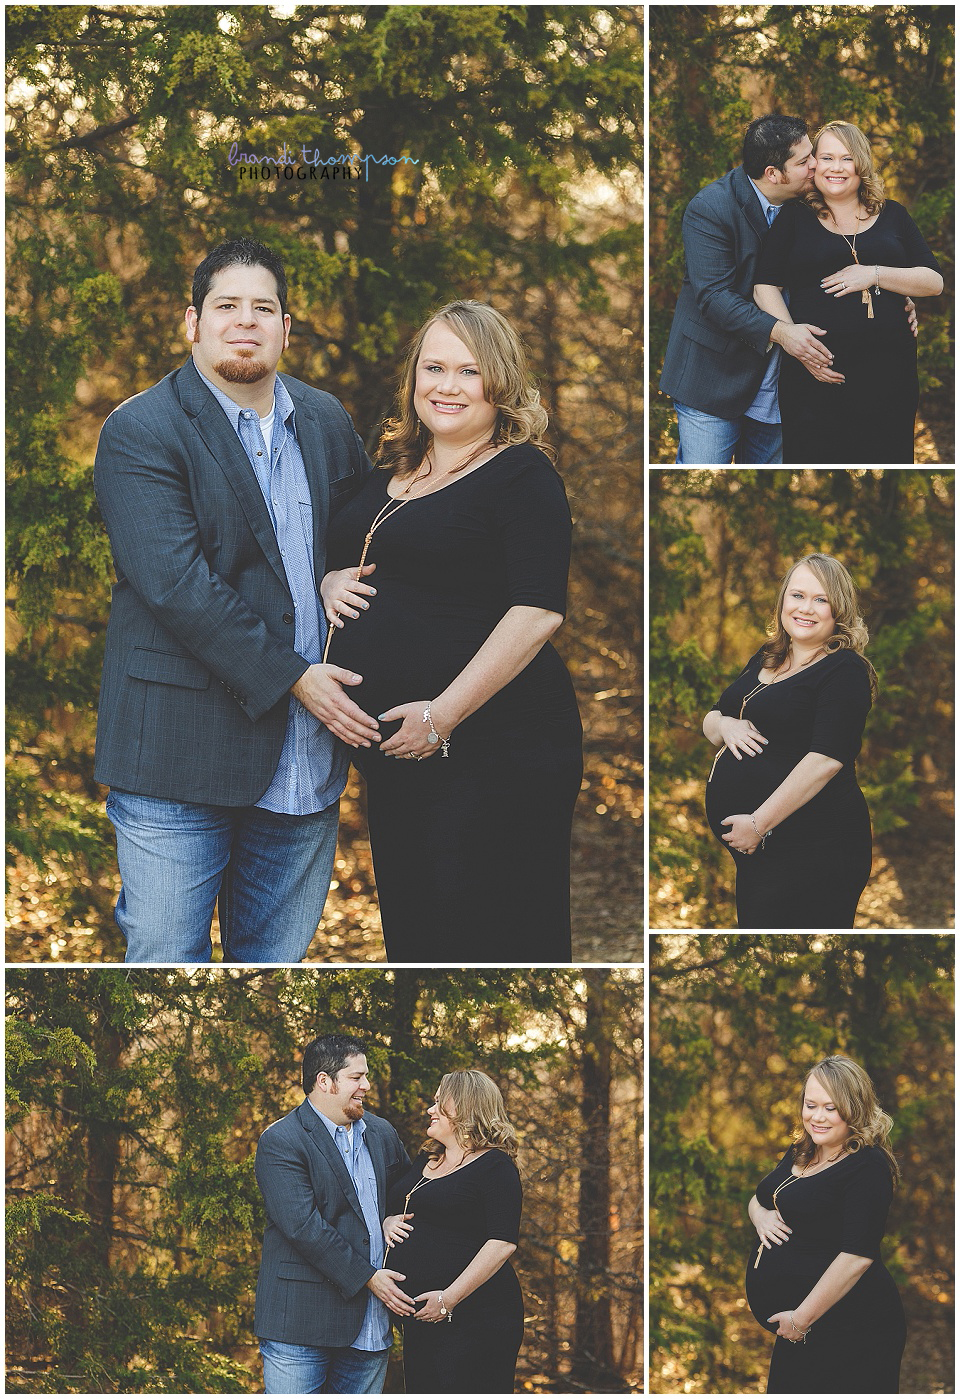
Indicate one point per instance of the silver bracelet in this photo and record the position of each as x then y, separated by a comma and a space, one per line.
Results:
876, 268
448, 1311
433, 736
763, 837
802, 1334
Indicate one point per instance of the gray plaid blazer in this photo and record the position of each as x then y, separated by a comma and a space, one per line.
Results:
311, 1290
717, 352
199, 654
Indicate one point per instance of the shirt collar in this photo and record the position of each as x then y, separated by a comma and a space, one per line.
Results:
765, 203
282, 402
331, 1127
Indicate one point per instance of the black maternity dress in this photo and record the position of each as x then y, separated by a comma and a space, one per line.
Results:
471, 852
869, 419
856, 1346
453, 1217
816, 863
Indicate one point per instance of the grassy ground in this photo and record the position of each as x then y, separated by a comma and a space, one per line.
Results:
911, 884
606, 875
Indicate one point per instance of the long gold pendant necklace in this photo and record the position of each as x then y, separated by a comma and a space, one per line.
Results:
865, 296
391, 508
782, 1186
760, 685
422, 1181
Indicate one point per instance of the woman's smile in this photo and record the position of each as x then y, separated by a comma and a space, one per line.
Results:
806, 613
821, 1117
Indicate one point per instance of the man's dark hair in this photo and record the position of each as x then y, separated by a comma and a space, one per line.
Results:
238, 252
769, 141
328, 1054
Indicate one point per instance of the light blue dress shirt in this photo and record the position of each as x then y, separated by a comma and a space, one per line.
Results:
765, 408
376, 1332
312, 771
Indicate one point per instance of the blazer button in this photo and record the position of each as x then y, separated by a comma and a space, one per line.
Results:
288, 617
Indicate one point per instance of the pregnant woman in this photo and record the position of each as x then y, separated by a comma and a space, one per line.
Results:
782, 794
817, 1281
455, 1225
847, 256
470, 795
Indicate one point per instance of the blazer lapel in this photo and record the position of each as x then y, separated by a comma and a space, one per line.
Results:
749, 203
375, 1148
227, 450
313, 449
328, 1149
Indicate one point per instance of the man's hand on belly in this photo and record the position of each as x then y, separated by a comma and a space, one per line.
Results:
320, 689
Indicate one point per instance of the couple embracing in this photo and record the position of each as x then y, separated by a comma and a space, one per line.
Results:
358, 1239
794, 334
281, 605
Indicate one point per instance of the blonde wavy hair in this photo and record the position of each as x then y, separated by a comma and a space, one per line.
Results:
475, 1107
855, 1098
507, 384
850, 631
871, 191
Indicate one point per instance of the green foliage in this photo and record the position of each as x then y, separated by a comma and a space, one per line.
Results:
720, 542
888, 68
736, 1023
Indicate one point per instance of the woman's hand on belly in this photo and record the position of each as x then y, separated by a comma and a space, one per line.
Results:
787, 1327
740, 737
850, 279
770, 1226
343, 592
410, 740
396, 1228
742, 835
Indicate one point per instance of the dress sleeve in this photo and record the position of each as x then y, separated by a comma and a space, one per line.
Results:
502, 1198
535, 528
843, 702
775, 255
916, 252
866, 1201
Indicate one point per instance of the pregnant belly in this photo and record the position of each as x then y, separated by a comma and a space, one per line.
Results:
836, 819
737, 787
431, 1261
871, 1311
782, 1278
407, 646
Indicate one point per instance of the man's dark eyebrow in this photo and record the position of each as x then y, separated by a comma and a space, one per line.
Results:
228, 296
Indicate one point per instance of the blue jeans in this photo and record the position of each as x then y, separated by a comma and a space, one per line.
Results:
289, 1369
709, 441
271, 873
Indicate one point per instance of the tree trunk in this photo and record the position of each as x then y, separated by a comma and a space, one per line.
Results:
593, 1360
